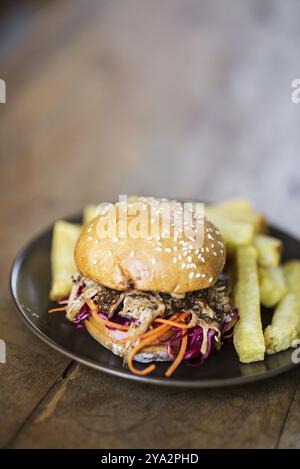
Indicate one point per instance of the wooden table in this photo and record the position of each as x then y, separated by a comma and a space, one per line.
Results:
176, 98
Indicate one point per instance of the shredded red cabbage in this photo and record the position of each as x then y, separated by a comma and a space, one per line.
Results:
193, 355
117, 319
85, 313
232, 317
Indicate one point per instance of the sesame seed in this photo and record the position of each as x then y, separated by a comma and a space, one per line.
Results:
175, 248
109, 253
191, 275
115, 240
153, 260
207, 249
132, 254
222, 252
168, 249
179, 257
197, 251
198, 275
203, 260
94, 261
212, 246
210, 237
90, 238
203, 275
158, 248
210, 279
183, 265
202, 249
149, 238
189, 258
89, 229
174, 260
215, 254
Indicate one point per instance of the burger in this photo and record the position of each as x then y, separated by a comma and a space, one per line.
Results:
152, 298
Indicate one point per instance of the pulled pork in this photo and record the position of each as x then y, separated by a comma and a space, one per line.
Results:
208, 306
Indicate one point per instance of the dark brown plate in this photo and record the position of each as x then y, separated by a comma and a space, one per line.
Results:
30, 285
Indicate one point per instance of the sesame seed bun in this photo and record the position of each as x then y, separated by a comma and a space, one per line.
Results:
108, 339
170, 265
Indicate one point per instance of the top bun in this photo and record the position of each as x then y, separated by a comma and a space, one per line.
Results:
170, 265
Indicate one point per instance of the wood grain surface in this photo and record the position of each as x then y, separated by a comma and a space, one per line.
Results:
177, 98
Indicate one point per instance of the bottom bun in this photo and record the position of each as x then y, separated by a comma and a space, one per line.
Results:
107, 338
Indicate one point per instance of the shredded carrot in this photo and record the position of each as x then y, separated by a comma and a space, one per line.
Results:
92, 305
155, 333
162, 329
94, 311
54, 310
143, 343
179, 357
172, 323
107, 323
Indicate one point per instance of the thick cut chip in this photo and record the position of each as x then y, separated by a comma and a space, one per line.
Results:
291, 271
63, 266
89, 212
285, 327
272, 286
248, 333
268, 249
235, 233
241, 210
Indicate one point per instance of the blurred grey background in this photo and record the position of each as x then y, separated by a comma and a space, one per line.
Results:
178, 98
